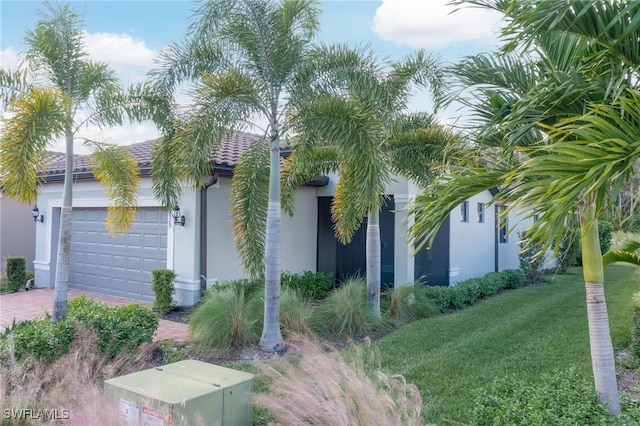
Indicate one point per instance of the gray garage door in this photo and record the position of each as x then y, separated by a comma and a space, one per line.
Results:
119, 266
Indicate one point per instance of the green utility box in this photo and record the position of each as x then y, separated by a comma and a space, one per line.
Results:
184, 393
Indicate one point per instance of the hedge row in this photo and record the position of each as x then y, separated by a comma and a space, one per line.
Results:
469, 292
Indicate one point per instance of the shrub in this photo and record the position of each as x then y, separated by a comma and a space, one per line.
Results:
562, 398
635, 333
245, 286
16, 268
468, 292
323, 387
531, 259
221, 320
605, 232
492, 283
512, 278
408, 303
442, 296
569, 253
310, 285
119, 328
162, 286
345, 312
294, 311
40, 337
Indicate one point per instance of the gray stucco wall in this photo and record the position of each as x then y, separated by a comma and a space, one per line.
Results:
17, 230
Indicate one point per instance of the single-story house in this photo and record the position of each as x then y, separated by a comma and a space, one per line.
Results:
18, 225
202, 252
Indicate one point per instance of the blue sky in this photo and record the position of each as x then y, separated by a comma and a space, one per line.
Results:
129, 34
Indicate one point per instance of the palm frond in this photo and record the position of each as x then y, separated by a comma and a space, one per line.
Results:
303, 165
182, 62
37, 118
248, 199
431, 208
12, 83
222, 103
593, 157
165, 181
621, 256
118, 173
137, 103
420, 154
56, 47
94, 78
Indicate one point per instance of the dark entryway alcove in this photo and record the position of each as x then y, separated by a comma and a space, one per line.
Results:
348, 260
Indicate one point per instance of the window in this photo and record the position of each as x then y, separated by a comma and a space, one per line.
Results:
464, 211
480, 212
536, 217
503, 224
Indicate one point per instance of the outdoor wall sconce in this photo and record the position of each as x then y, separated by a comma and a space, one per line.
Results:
37, 217
178, 219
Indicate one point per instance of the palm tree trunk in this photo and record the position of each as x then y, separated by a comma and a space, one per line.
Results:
271, 340
602, 359
373, 262
64, 236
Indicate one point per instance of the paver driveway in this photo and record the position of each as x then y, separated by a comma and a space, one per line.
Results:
25, 305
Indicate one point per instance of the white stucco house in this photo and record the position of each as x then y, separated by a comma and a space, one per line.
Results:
202, 251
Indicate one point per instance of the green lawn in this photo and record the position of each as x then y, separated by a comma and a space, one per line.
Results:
528, 332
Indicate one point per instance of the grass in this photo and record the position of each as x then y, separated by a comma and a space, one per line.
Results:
528, 332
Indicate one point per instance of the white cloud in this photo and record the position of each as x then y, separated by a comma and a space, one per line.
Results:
122, 52
430, 24
8, 58
125, 135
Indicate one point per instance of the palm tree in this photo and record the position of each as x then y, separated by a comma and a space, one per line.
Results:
566, 161
243, 56
348, 120
57, 93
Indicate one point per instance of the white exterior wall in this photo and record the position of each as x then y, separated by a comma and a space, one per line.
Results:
509, 251
299, 235
472, 244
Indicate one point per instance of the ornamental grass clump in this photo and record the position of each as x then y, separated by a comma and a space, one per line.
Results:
408, 303
294, 311
324, 387
221, 321
345, 312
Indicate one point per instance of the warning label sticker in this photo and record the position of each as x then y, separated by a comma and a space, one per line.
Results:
152, 417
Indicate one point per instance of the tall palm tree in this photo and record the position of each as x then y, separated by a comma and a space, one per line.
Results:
243, 56
347, 120
57, 93
566, 161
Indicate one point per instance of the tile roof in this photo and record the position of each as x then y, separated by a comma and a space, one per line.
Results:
228, 154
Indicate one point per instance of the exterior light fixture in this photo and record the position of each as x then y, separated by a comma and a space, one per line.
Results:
178, 219
35, 213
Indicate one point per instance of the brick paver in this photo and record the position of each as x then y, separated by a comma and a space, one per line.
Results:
25, 305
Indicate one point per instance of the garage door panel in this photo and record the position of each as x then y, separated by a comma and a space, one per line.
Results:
120, 266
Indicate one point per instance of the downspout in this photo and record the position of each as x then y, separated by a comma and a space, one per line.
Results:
203, 232
496, 234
